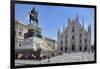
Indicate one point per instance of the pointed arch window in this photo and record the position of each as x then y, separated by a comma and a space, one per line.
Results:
85, 47
66, 49
73, 37
80, 41
66, 41
61, 48
80, 48
73, 29
73, 47
85, 40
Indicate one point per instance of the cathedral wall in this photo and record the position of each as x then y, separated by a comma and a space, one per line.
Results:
75, 38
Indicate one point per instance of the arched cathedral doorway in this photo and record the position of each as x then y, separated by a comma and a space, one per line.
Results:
73, 47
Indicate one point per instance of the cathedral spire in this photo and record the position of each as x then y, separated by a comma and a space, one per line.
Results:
69, 19
89, 36
77, 18
89, 27
58, 34
63, 27
83, 23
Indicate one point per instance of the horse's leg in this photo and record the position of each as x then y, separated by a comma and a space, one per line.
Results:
30, 19
36, 21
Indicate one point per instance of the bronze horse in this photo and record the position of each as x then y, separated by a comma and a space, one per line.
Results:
33, 15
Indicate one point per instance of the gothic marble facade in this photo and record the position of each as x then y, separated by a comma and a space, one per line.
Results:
74, 37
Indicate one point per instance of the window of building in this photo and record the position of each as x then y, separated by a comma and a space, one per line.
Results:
25, 35
85, 40
61, 48
72, 36
73, 29
66, 41
80, 41
80, 47
19, 44
66, 49
20, 33
73, 48
85, 48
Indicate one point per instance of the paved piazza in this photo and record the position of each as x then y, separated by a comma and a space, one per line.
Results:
64, 58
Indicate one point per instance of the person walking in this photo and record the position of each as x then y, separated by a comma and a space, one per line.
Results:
49, 58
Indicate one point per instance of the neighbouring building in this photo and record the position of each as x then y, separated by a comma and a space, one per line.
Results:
74, 37
51, 42
20, 30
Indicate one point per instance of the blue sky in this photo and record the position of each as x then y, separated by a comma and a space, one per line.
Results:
52, 18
